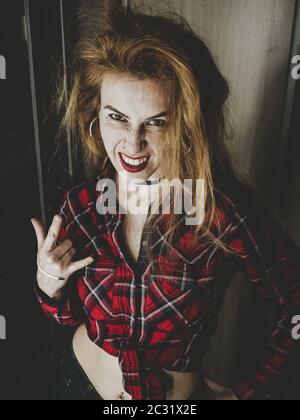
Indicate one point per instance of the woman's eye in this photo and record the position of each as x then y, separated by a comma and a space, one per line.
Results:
157, 123
117, 117
152, 124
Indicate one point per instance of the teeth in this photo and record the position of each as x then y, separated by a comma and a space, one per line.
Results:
134, 162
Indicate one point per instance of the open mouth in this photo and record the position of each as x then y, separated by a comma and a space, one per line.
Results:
133, 165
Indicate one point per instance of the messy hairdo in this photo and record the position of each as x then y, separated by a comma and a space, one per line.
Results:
161, 48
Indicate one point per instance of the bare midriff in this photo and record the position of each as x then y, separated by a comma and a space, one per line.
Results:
105, 374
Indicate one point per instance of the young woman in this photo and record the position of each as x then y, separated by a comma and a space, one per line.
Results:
144, 290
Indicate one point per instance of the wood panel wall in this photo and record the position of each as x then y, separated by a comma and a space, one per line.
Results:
250, 41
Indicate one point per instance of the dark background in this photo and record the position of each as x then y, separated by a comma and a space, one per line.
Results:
36, 36
31, 183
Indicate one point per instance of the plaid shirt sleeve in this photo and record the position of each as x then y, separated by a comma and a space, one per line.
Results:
272, 261
68, 311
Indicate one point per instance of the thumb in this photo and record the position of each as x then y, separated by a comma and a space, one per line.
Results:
214, 386
39, 231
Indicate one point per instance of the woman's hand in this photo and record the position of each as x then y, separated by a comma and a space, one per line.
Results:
220, 393
55, 260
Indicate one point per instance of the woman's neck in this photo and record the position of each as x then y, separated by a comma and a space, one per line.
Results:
142, 194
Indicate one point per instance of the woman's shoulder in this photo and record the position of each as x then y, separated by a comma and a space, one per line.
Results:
78, 210
81, 194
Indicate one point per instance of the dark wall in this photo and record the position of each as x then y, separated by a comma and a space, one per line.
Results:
291, 197
31, 42
26, 330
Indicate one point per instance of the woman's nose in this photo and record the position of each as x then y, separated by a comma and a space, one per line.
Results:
135, 140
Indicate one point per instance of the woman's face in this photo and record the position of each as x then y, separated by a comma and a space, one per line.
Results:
133, 115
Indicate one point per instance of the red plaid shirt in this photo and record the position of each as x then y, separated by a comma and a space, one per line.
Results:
164, 319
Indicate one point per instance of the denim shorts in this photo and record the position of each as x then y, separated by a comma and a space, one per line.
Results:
73, 384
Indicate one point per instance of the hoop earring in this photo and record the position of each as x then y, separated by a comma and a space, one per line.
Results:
91, 128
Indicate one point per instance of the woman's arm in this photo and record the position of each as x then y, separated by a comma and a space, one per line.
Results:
59, 300
272, 261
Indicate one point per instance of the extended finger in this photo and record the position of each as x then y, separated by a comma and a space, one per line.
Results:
39, 231
53, 233
78, 265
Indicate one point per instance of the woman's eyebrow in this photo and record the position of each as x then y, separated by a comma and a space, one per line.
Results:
161, 114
